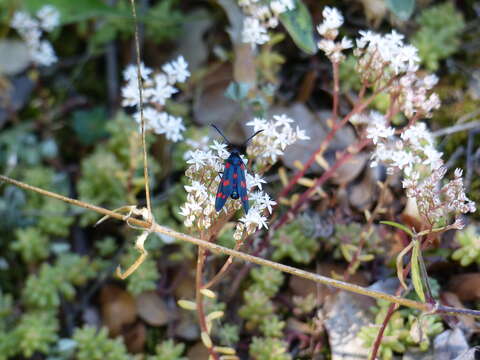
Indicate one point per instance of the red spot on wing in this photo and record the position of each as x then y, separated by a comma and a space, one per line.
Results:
245, 198
224, 196
227, 165
242, 184
226, 182
242, 167
219, 195
235, 175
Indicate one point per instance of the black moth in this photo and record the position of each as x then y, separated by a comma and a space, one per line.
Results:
233, 183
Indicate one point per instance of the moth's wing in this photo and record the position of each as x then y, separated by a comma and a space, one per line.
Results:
242, 186
225, 187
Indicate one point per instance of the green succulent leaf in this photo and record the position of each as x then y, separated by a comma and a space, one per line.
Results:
298, 23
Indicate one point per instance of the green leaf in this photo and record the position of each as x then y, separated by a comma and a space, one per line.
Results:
73, 11
416, 275
237, 91
298, 23
399, 226
89, 125
402, 9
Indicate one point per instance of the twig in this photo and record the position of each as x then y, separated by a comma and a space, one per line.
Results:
378, 339
347, 154
358, 108
456, 128
140, 107
224, 269
217, 249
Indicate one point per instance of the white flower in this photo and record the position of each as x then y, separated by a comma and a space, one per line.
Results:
254, 181
173, 128
378, 128
258, 124
22, 21
220, 148
254, 219
177, 71
267, 202
332, 20
161, 91
254, 32
430, 81
130, 73
280, 6
301, 135
198, 158
130, 94
281, 120
30, 29
49, 17
43, 54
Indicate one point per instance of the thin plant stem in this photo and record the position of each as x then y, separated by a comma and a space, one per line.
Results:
358, 108
224, 269
336, 90
378, 339
217, 249
199, 301
140, 107
319, 182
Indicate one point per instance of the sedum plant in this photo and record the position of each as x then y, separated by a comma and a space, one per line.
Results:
469, 251
93, 344
405, 330
168, 350
268, 349
439, 34
293, 242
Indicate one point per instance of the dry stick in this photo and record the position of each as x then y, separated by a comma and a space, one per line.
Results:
140, 107
226, 266
217, 249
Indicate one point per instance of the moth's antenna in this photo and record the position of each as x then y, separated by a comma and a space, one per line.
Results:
251, 137
216, 128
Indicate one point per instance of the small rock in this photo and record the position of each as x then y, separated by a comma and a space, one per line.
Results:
152, 309
449, 344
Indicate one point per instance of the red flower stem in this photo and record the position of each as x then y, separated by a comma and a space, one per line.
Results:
320, 181
336, 90
358, 108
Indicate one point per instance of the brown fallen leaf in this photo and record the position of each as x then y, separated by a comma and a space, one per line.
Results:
117, 307
152, 309
465, 286
468, 324
135, 337
198, 352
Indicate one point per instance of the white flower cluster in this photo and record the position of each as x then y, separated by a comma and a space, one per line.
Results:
277, 134
262, 15
31, 30
204, 177
414, 153
157, 88
332, 20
